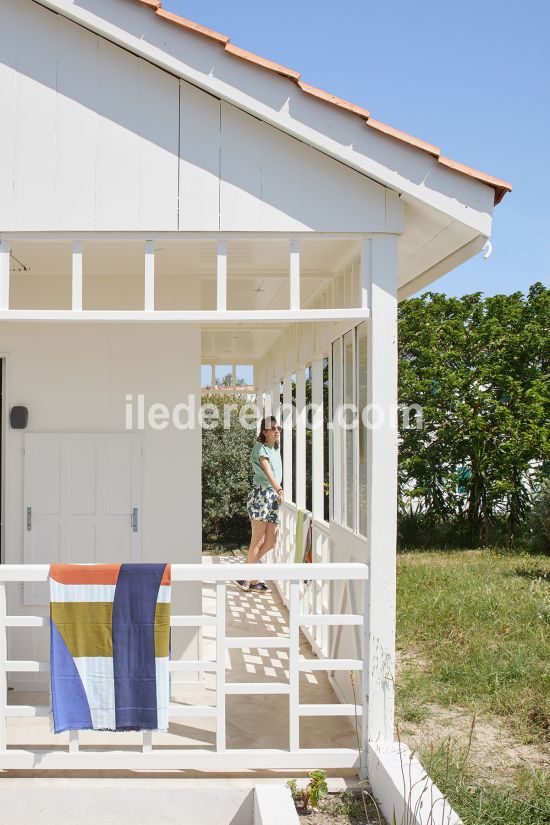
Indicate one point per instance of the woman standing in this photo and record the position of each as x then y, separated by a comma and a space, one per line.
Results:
265, 497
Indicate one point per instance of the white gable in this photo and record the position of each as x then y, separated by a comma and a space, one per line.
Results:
98, 138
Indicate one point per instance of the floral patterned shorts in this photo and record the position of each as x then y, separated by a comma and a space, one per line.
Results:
263, 504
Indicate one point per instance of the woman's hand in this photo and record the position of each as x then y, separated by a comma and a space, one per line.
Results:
281, 495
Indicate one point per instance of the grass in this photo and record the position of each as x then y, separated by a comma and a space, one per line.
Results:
473, 627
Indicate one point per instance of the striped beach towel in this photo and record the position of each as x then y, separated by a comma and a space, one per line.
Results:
109, 646
304, 529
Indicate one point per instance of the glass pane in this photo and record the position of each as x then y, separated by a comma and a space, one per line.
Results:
362, 404
349, 432
326, 441
336, 486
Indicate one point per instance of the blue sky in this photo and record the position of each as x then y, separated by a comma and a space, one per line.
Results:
472, 77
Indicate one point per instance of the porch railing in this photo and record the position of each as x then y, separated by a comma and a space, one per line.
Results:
76, 756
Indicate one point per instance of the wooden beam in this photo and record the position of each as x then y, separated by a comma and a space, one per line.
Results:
200, 316
149, 303
76, 301
221, 276
4, 275
294, 274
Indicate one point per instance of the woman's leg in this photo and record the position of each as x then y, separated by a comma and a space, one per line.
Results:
257, 540
268, 543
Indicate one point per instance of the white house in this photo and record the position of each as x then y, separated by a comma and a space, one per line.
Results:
168, 199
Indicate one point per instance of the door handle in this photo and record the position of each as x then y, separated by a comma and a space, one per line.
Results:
29, 518
135, 520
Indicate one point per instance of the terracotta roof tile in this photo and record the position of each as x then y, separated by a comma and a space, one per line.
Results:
404, 137
190, 24
501, 187
261, 61
336, 101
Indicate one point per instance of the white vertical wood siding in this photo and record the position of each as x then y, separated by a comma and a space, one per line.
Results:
94, 137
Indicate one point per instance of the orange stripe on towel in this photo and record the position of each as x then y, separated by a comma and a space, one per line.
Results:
85, 573
167, 575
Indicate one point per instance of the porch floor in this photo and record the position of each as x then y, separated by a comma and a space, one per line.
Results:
252, 721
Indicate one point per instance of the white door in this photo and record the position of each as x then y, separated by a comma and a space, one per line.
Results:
82, 500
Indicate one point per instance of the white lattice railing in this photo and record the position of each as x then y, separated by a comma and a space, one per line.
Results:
289, 577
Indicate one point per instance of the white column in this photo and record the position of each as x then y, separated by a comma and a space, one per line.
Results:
220, 666
287, 437
293, 668
221, 276
4, 275
380, 274
300, 439
294, 274
3, 674
213, 375
317, 457
364, 273
149, 276
77, 276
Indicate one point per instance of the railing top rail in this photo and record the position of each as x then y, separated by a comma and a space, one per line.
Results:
218, 572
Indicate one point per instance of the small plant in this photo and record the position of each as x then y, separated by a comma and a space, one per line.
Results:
311, 795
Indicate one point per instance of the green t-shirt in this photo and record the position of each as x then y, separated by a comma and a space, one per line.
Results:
274, 457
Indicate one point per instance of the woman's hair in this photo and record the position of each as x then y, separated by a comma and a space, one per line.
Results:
265, 424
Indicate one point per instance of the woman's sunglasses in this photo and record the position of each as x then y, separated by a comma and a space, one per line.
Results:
276, 429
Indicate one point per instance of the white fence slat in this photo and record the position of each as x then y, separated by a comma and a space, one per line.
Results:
74, 742
147, 741
293, 670
254, 642
220, 671
300, 440
330, 710
259, 688
330, 664
331, 618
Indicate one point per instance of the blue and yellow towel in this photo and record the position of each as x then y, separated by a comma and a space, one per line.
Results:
109, 646
304, 537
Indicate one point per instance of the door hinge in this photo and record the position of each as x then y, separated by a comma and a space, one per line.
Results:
135, 520
29, 518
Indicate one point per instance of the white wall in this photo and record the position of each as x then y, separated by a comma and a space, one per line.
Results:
94, 137
75, 378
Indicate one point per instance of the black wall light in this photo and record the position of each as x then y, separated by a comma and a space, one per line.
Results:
19, 418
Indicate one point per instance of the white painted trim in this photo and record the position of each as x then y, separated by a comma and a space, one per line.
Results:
293, 667
287, 439
221, 276
3, 667
149, 301
300, 475
174, 759
76, 283
317, 453
192, 315
221, 572
294, 274
4, 275
221, 687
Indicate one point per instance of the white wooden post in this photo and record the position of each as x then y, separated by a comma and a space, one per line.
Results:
317, 457
293, 667
294, 274
287, 437
4, 275
364, 273
74, 740
213, 375
220, 666
77, 277
3, 674
149, 276
379, 272
300, 439
221, 276
233, 375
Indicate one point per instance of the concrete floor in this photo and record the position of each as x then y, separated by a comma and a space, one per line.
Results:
252, 721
